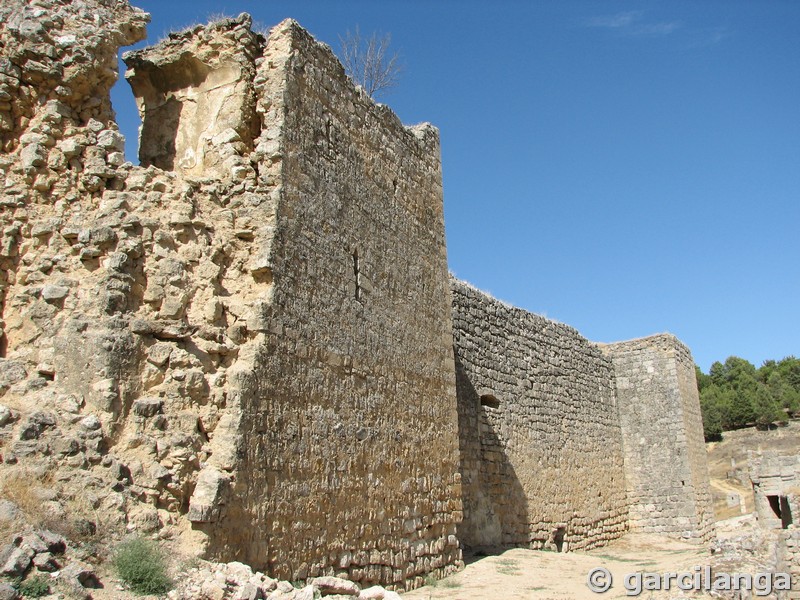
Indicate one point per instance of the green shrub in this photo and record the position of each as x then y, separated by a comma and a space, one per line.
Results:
34, 587
141, 565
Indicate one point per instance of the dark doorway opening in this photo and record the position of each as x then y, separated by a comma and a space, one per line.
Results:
775, 505
781, 508
786, 512
558, 538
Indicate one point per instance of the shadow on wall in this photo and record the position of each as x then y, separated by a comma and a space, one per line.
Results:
495, 505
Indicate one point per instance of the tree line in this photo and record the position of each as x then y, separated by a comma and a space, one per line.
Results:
736, 394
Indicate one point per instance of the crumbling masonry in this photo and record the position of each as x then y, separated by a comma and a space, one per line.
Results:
251, 342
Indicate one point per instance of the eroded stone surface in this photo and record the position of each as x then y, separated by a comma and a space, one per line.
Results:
205, 335
197, 99
662, 434
541, 448
246, 343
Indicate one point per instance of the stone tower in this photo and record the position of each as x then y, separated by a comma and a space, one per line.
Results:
250, 343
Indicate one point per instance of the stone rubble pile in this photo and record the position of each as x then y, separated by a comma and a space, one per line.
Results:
45, 553
237, 581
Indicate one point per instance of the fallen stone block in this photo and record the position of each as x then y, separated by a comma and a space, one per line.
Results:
46, 562
7, 592
335, 585
15, 560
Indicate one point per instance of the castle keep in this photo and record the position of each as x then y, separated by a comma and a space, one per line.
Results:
251, 343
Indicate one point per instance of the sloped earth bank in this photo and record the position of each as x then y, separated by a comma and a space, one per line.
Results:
521, 574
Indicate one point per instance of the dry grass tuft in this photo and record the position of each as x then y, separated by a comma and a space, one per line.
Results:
41, 508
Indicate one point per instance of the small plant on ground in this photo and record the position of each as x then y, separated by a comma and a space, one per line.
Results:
507, 566
141, 565
431, 581
34, 587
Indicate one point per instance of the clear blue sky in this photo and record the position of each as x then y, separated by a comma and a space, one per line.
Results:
624, 167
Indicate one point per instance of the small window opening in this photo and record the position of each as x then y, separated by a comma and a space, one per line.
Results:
128, 118
490, 401
3, 345
357, 274
558, 538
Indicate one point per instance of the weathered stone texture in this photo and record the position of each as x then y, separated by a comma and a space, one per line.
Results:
247, 342
127, 294
350, 449
196, 95
776, 485
662, 434
788, 550
541, 450
227, 349
57, 62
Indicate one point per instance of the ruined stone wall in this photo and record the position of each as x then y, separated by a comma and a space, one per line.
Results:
776, 488
131, 295
541, 448
788, 551
350, 451
196, 93
662, 433
246, 342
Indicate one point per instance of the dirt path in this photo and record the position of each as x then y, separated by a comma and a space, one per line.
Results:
520, 574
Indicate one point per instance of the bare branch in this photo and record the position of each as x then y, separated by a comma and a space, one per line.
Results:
368, 63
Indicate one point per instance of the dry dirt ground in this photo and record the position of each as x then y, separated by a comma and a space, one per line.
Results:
520, 574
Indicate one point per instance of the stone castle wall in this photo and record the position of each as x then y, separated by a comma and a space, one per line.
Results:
662, 434
541, 447
246, 344
349, 436
228, 348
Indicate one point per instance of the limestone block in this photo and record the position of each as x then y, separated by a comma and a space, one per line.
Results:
111, 140
147, 407
309, 592
206, 500
11, 372
33, 156
335, 585
46, 562
15, 560
54, 294
248, 591
375, 592
6, 415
